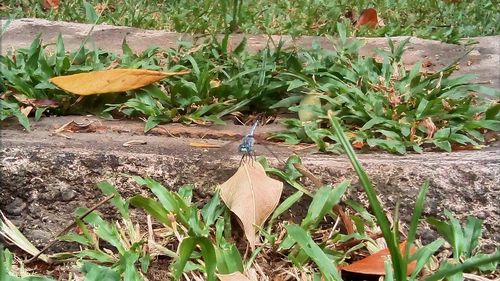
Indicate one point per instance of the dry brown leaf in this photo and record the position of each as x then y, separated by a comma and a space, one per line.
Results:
430, 126
50, 4
110, 81
252, 196
75, 127
374, 264
26, 110
235, 276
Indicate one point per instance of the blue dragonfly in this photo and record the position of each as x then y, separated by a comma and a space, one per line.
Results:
246, 146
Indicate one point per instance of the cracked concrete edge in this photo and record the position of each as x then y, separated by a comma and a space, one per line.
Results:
483, 61
46, 176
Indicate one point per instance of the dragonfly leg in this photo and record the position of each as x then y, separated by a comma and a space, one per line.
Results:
249, 157
244, 158
253, 156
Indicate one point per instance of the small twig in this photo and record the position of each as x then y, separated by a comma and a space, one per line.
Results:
69, 226
337, 208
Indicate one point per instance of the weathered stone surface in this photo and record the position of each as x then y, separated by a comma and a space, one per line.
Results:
484, 61
37, 166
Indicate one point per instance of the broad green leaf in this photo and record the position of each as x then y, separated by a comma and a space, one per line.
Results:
93, 272
228, 258
96, 255
325, 265
73, 237
209, 257
185, 250
374, 121
212, 209
152, 207
127, 263
472, 233
90, 13
23, 120
323, 202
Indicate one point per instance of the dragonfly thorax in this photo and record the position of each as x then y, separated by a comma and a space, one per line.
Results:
246, 145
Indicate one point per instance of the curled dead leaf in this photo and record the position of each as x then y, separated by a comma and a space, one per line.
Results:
75, 127
430, 127
252, 196
369, 18
110, 81
26, 110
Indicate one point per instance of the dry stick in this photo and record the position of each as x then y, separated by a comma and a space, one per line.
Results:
69, 226
337, 208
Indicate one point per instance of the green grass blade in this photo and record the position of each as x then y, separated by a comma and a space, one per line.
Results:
468, 264
285, 205
397, 260
423, 255
419, 206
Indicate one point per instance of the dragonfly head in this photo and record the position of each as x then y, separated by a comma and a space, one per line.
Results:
245, 148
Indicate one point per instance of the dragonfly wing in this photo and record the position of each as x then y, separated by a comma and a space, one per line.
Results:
221, 151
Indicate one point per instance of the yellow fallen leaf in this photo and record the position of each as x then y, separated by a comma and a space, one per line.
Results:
252, 196
110, 81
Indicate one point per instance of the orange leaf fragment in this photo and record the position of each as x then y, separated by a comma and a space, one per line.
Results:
252, 196
369, 18
50, 4
204, 145
374, 264
110, 81
358, 144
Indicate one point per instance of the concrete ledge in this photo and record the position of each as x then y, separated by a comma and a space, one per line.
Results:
483, 61
46, 176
